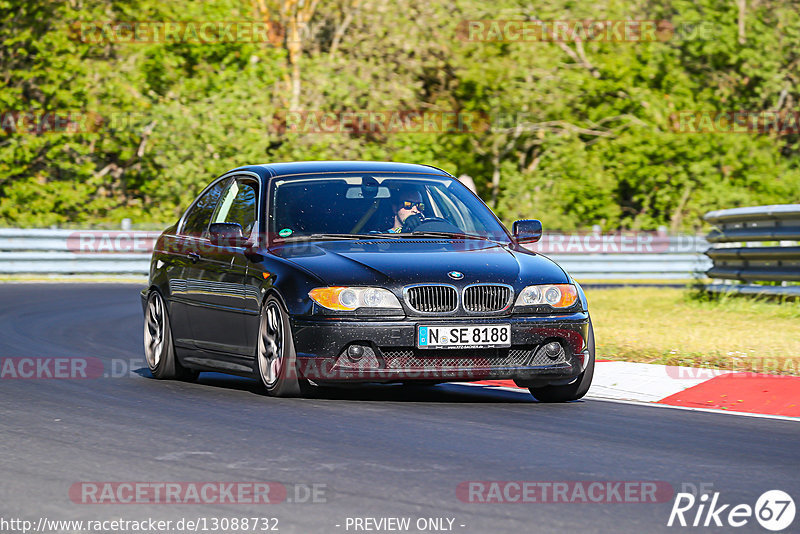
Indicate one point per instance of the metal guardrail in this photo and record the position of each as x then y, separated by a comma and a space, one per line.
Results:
627, 255
656, 266
772, 232
646, 255
45, 251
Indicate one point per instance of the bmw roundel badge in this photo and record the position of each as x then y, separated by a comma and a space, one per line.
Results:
455, 275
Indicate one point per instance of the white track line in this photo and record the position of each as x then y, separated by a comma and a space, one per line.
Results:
644, 403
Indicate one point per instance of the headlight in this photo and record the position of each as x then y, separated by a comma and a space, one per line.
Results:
352, 298
555, 295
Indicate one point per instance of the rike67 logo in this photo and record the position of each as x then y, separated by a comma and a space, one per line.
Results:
774, 510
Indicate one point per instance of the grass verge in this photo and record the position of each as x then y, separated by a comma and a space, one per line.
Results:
689, 328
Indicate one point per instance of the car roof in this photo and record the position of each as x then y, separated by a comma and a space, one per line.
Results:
321, 167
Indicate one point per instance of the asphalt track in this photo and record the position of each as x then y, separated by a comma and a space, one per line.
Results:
382, 451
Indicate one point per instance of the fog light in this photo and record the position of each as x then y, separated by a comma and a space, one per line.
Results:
355, 352
553, 350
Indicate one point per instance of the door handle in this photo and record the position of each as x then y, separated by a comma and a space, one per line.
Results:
194, 256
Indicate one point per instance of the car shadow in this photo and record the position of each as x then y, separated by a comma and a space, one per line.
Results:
220, 380
447, 392
439, 393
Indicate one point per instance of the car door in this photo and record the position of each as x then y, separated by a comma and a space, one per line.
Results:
217, 282
185, 249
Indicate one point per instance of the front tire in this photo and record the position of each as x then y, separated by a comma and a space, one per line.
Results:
158, 348
276, 362
574, 390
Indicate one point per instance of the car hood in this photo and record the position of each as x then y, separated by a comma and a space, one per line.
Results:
411, 261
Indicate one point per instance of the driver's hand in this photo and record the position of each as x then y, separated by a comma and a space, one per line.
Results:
411, 222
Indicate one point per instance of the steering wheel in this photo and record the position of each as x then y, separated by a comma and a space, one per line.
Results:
415, 223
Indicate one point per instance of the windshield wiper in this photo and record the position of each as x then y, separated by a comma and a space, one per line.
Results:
313, 237
459, 235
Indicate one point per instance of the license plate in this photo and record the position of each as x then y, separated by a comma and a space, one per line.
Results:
464, 337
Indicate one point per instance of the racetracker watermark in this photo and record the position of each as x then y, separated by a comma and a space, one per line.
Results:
564, 492
102, 241
141, 242
39, 122
631, 242
69, 368
147, 525
565, 30
381, 122
41, 368
744, 367
171, 31
736, 122
370, 368
212, 493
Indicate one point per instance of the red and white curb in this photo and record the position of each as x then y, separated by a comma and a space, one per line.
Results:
690, 388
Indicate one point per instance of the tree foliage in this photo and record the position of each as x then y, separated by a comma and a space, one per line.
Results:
576, 133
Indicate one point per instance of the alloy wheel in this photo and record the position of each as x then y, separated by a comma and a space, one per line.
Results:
154, 328
270, 344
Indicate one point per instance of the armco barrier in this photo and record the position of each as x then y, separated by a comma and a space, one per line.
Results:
772, 232
35, 251
586, 256
658, 266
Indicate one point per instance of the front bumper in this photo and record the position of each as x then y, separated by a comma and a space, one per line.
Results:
390, 352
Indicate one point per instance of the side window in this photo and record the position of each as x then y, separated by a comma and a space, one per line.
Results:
239, 204
199, 216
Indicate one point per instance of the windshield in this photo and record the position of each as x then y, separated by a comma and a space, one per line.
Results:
357, 205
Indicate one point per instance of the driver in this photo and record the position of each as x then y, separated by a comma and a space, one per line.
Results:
408, 209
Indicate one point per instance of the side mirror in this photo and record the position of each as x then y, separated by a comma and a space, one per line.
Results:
527, 230
226, 235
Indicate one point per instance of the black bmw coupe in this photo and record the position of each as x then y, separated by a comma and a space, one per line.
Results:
315, 273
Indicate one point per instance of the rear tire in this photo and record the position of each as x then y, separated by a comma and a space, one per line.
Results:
158, 348
276, 361
574, 390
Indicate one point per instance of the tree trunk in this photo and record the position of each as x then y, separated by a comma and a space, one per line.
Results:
742, 13
677, 215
